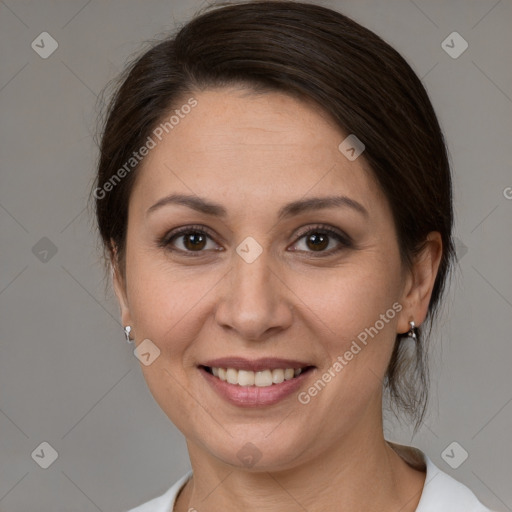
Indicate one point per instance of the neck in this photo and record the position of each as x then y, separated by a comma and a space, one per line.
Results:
360, 472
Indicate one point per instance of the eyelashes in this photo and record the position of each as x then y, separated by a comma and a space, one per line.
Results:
198, 237
344, 241
167, 240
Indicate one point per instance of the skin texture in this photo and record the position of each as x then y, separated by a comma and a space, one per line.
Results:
253, 153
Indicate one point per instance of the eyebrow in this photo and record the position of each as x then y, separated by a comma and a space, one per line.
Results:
289, 210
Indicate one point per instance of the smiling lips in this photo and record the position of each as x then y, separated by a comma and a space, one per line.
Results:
263, 378
254, 383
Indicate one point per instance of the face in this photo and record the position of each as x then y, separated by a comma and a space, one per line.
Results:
262, 280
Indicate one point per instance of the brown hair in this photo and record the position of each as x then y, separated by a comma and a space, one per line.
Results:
312, 52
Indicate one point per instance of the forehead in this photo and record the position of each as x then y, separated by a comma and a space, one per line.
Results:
254, 145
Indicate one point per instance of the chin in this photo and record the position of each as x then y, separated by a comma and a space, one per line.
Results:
255, 450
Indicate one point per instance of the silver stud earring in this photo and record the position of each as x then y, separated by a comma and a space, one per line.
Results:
412, 331
127, 331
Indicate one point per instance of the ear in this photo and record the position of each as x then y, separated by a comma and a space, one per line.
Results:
419, 283
120, 290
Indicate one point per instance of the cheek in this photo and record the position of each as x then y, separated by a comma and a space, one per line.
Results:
354, 315
169, 306
350, 300
166, 302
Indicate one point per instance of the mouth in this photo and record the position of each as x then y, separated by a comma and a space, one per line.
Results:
255, 383
262, 378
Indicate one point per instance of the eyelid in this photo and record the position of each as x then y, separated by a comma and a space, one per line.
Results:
326, 228
165, 240
341, 236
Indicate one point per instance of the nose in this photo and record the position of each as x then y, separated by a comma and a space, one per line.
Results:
255, 301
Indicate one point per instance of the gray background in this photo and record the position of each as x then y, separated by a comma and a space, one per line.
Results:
67, 376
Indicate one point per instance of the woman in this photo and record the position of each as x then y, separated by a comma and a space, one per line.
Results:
274, 196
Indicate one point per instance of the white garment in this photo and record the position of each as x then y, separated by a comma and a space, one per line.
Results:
441, 492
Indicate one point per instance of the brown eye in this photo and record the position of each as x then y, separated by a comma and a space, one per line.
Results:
188, 240
194, 241
322, 240
317, 241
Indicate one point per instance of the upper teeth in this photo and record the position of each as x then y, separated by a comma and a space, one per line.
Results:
260, 379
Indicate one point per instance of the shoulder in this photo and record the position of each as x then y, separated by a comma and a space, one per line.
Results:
441, 492
165, 502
